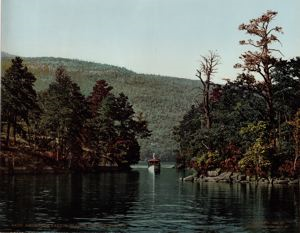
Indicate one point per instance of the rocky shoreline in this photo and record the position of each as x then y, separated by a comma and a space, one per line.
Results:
237, 177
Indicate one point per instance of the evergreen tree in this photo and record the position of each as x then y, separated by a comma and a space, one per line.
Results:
18, 97
114, 129
100, 91
65, 112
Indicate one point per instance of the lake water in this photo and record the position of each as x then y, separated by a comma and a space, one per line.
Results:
139, 201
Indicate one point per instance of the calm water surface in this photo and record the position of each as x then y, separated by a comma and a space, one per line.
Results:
139, 201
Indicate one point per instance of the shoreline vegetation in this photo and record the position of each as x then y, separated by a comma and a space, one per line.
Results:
59, 129
245, 130
163, 100
248, 128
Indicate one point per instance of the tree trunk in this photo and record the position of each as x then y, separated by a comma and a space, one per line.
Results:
271, 119
8, 133
269, 98
297, 144
206, 105
14, 130
295, 162
207, 113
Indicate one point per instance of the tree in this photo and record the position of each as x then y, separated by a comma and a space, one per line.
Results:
208, 67
261, 61
100, 91
256, 157
286, 77
18, 96
295, 123
65, 112
114, 128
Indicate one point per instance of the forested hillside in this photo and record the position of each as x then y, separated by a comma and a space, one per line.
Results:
163, 100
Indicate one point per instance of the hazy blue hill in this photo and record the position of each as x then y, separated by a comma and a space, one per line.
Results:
6, 55
163, 100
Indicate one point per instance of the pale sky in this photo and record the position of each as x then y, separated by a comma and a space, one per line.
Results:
163, 37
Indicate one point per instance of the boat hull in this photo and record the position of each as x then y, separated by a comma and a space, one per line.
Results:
154, 169
154, 165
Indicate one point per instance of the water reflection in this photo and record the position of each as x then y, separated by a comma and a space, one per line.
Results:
248, 207
65, 200
140, 201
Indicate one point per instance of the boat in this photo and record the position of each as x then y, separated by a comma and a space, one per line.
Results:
154, 164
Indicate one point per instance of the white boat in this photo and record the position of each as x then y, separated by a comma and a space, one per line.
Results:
154, 165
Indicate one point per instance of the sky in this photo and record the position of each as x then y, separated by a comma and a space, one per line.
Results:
165, 37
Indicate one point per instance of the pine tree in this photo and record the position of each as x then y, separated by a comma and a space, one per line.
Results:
114, 129
18, 97
65, 112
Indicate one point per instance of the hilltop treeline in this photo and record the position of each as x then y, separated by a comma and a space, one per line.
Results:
250, 124
75, 131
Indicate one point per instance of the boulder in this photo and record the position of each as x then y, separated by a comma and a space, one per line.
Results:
263, 181
251, 178
180, 166
200, 178
235, 176
218, 170
281, 181
293, 182
189, 178
242, 177
212, 173
224, 176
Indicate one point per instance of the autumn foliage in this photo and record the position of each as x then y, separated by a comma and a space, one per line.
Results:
253, 120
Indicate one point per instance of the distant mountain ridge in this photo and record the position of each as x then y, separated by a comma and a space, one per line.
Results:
5, 54
163, 100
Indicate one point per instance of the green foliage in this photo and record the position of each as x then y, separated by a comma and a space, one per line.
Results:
163, 100
18, 97
255, 158
254, 131
114, 130
75, 131
64, 113
209, 158
240, 120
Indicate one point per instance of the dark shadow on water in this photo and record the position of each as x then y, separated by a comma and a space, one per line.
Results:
139, 201
247, 207
65, 202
